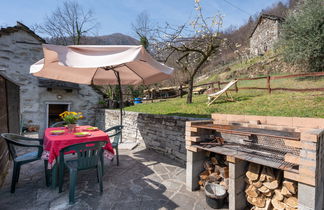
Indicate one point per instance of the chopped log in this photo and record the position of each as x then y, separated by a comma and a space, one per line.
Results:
223, 171
271, 185
248, 181
226, 172
264, 189
269, 194
263, 174
259, 202
214, 161
252, 192
292, 202
224, 183
291, 186
249, 199
285, 192
267, 174
216, 169
278, 204
290, 208
208, 166
267, 205
253, 171
201, 183
204, 175
278, 196
257, 184
214, 177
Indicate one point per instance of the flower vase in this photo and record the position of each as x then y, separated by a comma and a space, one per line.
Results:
71, 128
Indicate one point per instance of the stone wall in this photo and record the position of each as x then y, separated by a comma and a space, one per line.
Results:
162, 133
264, 36
16, 56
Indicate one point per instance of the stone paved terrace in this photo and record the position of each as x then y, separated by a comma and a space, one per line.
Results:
143, 180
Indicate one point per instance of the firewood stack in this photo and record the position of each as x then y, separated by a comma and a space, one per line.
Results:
216, 170
266, 189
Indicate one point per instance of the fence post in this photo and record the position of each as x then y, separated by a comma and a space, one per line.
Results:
219, 85
268, 84
180, 89
152, 97
236, 88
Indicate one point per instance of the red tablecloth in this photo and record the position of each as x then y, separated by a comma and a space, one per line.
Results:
54, 143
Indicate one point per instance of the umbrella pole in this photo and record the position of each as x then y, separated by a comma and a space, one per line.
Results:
121, 105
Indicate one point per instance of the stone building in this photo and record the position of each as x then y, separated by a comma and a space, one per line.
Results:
40, 100
265, 34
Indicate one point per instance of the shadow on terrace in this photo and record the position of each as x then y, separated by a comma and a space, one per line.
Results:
143, 180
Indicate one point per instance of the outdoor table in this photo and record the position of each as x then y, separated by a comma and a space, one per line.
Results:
54, 143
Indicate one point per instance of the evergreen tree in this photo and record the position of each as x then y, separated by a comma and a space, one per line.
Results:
302, 40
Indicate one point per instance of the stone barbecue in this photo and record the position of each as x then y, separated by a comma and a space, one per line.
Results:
288, 149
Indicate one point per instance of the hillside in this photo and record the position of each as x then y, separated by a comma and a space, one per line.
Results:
269, 64
112, 39
250, 102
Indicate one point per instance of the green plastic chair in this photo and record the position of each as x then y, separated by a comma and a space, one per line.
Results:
116, 138
58, 124
88, 155
17, 140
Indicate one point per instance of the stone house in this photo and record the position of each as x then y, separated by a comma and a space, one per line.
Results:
265, 34
40, 100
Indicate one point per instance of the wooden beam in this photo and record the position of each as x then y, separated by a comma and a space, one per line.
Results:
193, 138
292, 143
304, 171
299, 178
189, 143
292, 159
192, 148
291, 175
232, 159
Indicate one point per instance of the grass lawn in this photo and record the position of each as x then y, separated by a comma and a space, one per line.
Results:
249, 102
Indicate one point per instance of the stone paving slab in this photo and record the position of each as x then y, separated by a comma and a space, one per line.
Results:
143, 180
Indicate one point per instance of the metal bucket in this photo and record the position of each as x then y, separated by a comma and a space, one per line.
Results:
215, 195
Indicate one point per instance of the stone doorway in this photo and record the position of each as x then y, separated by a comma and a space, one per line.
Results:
53, 111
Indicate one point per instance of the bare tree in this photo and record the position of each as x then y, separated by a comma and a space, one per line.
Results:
190, 45
69, 23
142, 27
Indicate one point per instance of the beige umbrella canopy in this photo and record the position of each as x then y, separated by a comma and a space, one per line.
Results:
100, 65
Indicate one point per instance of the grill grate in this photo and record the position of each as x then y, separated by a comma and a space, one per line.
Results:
266, 148
272, 144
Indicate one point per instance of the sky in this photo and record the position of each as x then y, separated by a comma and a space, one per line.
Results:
116, 16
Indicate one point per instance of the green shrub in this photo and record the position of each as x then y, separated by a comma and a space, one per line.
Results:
302, 40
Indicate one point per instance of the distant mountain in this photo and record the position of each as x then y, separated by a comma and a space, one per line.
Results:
113, 39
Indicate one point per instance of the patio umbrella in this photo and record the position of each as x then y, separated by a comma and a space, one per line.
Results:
100, 65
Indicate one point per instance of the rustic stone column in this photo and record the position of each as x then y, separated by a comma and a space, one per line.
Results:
194, 167
311, 170
237, 170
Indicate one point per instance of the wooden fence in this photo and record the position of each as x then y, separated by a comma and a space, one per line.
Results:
268, 83
267, 86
